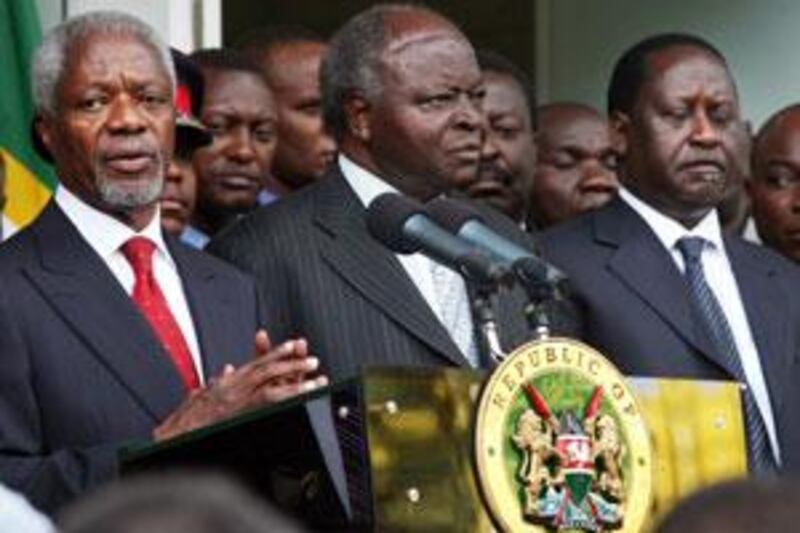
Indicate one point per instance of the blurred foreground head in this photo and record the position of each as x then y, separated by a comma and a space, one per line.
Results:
743, 506
173, 503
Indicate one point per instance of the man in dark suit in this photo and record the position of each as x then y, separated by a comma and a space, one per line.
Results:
401, 93
109, 330
664, 291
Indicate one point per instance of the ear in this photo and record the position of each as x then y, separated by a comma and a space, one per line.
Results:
44, 129
620, 125
358, 113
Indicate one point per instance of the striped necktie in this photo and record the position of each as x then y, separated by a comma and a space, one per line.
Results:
707, 307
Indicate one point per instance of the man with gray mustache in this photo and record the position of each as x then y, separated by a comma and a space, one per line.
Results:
110, 330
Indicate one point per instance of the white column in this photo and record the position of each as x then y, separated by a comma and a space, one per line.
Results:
184, 24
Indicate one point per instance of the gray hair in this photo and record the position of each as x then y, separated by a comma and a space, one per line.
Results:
351, 64
51, 56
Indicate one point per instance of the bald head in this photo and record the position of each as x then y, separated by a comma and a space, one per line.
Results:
556, 114
576, 167
774, 189
776, 131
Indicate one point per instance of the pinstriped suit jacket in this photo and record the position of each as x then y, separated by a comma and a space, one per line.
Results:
322, 276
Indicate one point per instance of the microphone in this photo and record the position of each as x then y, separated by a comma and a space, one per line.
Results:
465, 222
401, 224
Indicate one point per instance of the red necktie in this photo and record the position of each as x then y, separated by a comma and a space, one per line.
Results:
151, 302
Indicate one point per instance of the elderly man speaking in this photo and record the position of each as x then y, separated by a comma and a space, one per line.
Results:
109, 330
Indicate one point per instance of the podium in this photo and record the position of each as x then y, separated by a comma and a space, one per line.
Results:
392, 450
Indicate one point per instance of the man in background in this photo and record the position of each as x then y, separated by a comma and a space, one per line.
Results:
665, 291
180, 184
508, 156
239, 112
290, 57
576, 167
774, 189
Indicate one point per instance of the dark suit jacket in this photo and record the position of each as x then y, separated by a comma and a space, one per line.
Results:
637, 312
81, 372
324, 277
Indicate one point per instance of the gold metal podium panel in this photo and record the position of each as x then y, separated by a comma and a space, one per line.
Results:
697, 433
419, 425
420, 434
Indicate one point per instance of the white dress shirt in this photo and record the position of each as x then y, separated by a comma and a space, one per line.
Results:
721, 280
367, 187
106, 235
17, 515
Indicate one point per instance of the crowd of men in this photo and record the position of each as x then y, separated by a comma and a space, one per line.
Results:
260, 161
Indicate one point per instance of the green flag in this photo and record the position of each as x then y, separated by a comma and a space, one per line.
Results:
29, 180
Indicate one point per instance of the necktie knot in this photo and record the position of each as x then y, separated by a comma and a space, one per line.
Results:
139, 253
691, 248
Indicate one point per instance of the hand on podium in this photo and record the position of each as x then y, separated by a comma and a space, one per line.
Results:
275, 374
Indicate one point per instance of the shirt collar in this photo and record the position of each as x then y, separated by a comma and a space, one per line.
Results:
364, 183
104, 233
668, 230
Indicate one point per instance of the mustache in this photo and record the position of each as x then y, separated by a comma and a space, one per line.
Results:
131, 148
491, 170
227, 169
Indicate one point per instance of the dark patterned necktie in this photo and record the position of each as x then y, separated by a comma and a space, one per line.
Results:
708, 308
151, 302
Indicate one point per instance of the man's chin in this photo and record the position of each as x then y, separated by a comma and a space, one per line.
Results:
121, 195
234, 204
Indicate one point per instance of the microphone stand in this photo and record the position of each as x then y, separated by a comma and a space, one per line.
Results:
541, 292
487, 323
487, 283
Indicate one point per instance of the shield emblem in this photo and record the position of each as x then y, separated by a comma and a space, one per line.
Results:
577, 465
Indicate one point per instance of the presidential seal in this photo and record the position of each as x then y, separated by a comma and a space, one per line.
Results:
561, 444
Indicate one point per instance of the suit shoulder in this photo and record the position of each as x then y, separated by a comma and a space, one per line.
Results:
763, 256
567, 233
184, 254
244, 242
19, 249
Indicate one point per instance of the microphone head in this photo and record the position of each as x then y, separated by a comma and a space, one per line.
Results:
451, 214
386, 216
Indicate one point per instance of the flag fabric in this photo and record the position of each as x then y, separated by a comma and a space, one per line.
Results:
29, 180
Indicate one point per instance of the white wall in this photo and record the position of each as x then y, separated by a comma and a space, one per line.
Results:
582, 39
184, 24
50, 13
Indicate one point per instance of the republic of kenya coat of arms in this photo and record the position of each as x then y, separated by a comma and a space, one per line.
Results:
560, 443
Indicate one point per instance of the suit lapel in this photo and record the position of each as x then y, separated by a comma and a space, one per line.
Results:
78, 284
210, 304
763, 303
642, 264
353, 254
